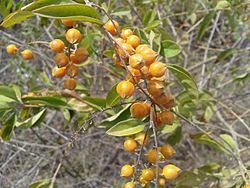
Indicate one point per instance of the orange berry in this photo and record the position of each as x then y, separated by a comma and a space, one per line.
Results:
129, 185
11, 49
139, 110
125, 89
81, 54
70, 83
117, 61
142, 181
126, 33
57, 45
159, 171
130, 145
145, 72
167, 151
246, 186
162, 182
68, 23
61, 59
157, 69
147, 174
27, 54
127, 171
140, 137
136, 61
171, 172
151, 155
133, 40
134, 76
111, 26
58, 72
166, 117
125, 50
148, 56
120, 40
72, 70
73, 36
155, 88
141, 48
165, 100
73, 59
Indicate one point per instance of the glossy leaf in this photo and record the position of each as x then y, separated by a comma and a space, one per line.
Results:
43, 3
53, 101
72, 11
112, 97
8, 127
169, 48
17, 93
126, 128
8, 92
32, 121
95, 102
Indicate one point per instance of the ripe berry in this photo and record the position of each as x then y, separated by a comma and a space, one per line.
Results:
145, 72
111, 26
57, 45
126, 33
134, 76
155, 88
73, 59
139, 110
151, 155
171, 171
142, 181
136, 61
167, 151
68, 23
157, 69
147, 174
141, 48
27, 54
125, 50
73, 36
159, 171
81, 54
127, 171
129, 185
140, 137
130, 145
246, 186
70, 83
11, 49
120, 41
162, 182
166, 117
125, 89
133, 40
61, 59
148, 56
165, 100
72, 70
58, 72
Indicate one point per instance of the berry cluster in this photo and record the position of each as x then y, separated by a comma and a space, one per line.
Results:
147, 75
13, 50
67, 58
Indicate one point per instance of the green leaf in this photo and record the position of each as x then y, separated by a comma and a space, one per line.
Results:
95, 102
182, 75
4, 99
126, 128
226, 53
204, 24
67, 117
221, 5
175, 137
166, 129
45, 79
44, 183
18, 93
169, 48
78, 106
8, 127
43, 3
53, 101
8, 92
112, 97
16, 17
32, 121
5, 7
72, 11
228, 140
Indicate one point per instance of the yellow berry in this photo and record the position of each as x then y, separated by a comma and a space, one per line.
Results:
127, 171
125, 89
171, 171
130, 145
147, 174
129, 185
27, 54
167, 151
11, 49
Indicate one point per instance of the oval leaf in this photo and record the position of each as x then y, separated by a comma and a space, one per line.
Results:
69, 11
112, 98
126, 128
169, 48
